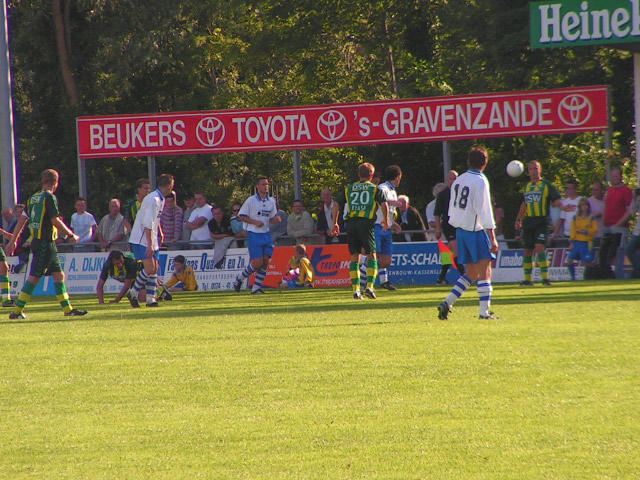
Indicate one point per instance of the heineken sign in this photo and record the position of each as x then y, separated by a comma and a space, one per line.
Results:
584, 22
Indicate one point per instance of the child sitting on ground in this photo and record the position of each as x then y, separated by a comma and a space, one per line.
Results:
583, 228
301, 272
183, 278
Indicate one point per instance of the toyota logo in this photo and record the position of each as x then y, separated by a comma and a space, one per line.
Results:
210, 131
574, 110
332, 125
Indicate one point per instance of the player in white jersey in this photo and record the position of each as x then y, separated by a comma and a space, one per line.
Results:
144, 241
384, 240
471, 212
257, 212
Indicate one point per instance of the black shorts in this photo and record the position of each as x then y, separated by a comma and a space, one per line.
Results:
45, 259
534, 231
361, 235
448, 231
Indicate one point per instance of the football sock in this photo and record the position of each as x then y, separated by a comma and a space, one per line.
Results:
458, 289
5, 287
152, 283
527, 265
363, 274
24, 297
246, 272
141, 281
260, 274
63, 296
484, 294
544, 265
382, 275
443, 272
572, 271
372, 272
354, 273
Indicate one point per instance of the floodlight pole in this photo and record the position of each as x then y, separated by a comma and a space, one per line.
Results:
151, 170
7, 141
297, 176
446, 159
636, 101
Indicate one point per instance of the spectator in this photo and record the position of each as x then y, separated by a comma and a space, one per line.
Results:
409, 219
616, 218
300, 224
583, 227
143, 188
236, 225
10, 221
221, 234
300, 272
498, 215
324, 214
198, 222
596, 202
84, 226
429, 215
571, 199
279, 230
182, 279
111, 228
190, 206
634, 243
171, 221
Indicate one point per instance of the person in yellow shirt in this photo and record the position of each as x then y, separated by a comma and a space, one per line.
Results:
183, 279
301, 273
583, 228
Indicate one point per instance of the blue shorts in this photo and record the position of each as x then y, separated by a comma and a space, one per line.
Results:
581, 251
384, 241
140, 252
260, 244
473, 246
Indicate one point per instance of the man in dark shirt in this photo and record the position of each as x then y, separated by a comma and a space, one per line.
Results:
441, 213
222, 235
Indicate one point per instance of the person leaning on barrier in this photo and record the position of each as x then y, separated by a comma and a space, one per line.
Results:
122, 267
111, 228
409, 219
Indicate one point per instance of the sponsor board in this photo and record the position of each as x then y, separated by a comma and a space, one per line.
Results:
575, 109
570, 23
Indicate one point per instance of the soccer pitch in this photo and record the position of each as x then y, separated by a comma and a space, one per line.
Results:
312, 384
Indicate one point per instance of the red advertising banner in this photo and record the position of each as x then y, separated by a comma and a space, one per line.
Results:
568, 110
330, 263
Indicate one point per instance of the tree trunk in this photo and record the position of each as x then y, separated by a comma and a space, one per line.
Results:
67, 76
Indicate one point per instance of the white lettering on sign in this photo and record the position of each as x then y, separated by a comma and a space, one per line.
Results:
588, 24
272, 128
111, 136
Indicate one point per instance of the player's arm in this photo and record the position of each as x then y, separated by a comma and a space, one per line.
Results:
100, 291
520, 216
11, 246
492, 239
384, 206
335, 228
123, 291
62, 227
556, 229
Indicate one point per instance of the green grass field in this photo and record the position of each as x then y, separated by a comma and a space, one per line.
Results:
312, 384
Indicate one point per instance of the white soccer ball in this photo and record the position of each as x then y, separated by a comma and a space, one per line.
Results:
515, 168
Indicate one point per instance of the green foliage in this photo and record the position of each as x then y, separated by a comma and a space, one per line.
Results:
162, 55
310, 384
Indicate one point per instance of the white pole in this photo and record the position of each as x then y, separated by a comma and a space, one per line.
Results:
7, 146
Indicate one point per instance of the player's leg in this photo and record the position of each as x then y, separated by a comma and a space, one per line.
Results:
362, 259
5, 281
541, 257
485, 289
255, 260
384, 248
573, 255
355, 248
528, 239
55, 270
39, 264
260, 265
368, 239
463, 282
151, 268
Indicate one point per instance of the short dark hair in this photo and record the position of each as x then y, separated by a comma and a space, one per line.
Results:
187, 195
49, 176
366, 170
179, 259
261, 177
142, 182
165, 180
477, 157
114, 255
392, 172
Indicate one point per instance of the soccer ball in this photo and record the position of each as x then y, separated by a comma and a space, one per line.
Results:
515, 168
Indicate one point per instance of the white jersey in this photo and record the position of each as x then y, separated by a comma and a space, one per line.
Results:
261, 209
470, 205
392, 201
148, 217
